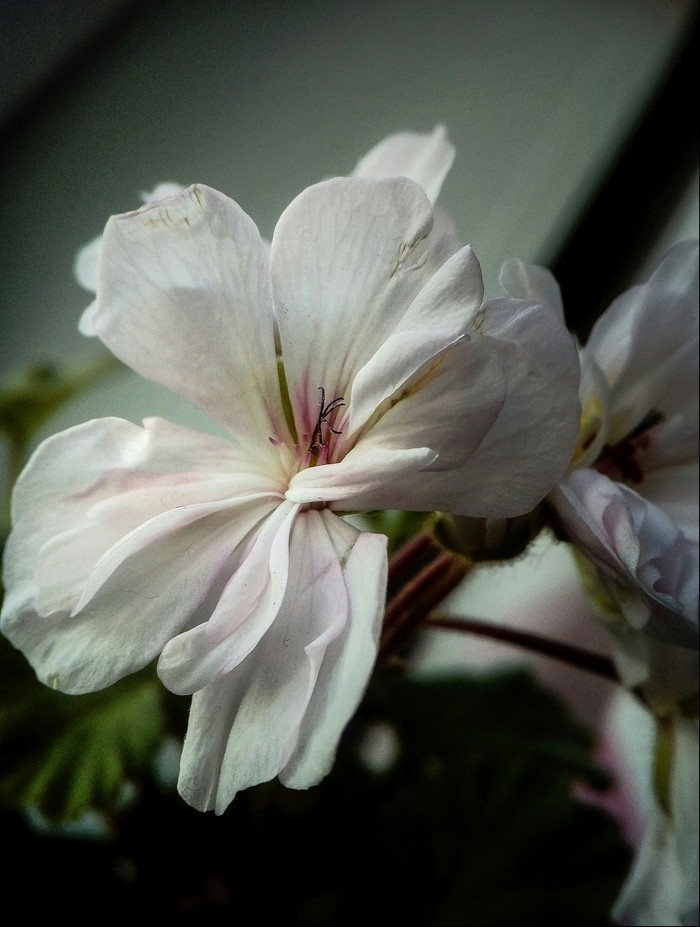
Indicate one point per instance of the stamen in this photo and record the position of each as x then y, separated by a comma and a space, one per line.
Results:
621, 459
317, 440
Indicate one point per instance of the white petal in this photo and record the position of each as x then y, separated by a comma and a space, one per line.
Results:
528, 281
439, 315
675, 490
87, 260
184, 299
160, 192
425, 158
347, 663
646, 344
348, 258
361, 475
244, 728
86, 263
662, 886
640, 548
119, 532
137, 609
247, 606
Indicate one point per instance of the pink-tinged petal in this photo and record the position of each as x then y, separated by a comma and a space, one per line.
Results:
147, 599
650, 566
347, 662
348, 258
646, 344
184, 299
87, 260
361, 475
244, 727
104, 514
247, 606
425, 158
499, 411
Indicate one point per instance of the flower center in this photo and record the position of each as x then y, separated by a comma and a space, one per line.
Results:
324, 430
621, 461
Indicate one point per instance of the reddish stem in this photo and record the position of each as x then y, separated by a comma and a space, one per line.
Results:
567, 653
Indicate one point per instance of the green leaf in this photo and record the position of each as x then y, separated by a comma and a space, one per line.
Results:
66, 754
29, 400
476, 821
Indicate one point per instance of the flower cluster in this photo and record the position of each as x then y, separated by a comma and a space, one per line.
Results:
629, 505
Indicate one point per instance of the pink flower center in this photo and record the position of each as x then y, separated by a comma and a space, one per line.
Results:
623, 461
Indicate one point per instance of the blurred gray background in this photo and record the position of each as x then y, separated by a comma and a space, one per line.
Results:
103, 100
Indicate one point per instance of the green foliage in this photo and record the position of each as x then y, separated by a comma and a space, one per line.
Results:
474, 822
27, 402
66, 754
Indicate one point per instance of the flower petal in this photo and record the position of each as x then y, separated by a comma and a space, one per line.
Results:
347, 662
662, 886
113, 547
532, 283
646, 344
184, 299
86, 264
348, 258
439, 315
488, 425
248, 605
652, 565
675, 490
244, 727
425, 158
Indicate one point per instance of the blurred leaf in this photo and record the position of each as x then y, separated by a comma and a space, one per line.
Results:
472, 823
475, 821
29, 400
65, 754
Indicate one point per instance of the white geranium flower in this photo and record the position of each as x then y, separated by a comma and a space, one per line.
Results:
230, 561
630, 500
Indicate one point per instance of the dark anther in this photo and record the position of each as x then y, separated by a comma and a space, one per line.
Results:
324, 412
621, 459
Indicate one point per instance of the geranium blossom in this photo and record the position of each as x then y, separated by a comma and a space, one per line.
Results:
231, 561
630, 499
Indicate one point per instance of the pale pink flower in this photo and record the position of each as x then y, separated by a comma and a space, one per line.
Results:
231, 561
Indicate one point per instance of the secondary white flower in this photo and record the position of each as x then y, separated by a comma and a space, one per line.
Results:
662, 885
630, 505
630, 500
230, 560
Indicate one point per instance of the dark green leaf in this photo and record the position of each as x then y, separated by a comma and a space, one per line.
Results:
66, 754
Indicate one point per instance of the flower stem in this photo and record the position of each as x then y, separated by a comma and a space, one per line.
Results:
421, 575
567, 653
